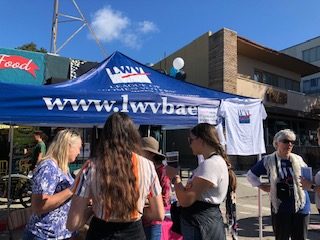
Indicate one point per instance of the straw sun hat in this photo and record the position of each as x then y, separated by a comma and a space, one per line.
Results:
150, 144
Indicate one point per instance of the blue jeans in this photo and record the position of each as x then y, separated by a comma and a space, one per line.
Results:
153, 232
188, 231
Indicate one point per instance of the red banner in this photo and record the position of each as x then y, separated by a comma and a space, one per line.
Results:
18, 62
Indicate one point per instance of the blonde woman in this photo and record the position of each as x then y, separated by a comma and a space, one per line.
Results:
50, 190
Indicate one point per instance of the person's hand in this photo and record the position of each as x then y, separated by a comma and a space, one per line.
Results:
265, 187
171, 171
305, 183
147, 204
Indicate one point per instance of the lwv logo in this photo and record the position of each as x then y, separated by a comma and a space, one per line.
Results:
127, 74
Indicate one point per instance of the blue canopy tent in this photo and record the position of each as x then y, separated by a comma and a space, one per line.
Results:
119, 83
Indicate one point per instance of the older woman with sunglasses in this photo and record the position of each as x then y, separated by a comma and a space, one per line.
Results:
205, 191
290, 203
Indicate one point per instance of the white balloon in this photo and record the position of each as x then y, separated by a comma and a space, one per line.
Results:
178, 63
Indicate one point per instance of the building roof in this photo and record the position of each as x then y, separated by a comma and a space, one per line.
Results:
273, 57
302, 43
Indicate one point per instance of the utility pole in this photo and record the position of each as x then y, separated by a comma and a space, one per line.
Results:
54, 32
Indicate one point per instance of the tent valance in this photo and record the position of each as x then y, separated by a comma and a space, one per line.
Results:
119, 83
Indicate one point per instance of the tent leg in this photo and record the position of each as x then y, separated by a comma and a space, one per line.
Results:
260, 207
9, 175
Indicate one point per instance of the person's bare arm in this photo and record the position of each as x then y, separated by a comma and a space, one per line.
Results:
265, 187
187, 196
155, 209
40, 156
43, 203
79, 213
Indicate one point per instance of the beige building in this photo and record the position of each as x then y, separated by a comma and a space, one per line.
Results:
230, 63
308, 51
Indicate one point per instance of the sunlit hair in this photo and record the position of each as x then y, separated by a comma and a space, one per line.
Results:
59, 148
283, 134
209, 135
115, 175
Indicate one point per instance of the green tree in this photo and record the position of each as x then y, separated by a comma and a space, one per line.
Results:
32, 47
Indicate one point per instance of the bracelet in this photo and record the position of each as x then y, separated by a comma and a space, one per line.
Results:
175, 178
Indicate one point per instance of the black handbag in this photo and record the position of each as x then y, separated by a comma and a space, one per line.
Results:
283, 191
175, 212
283, 188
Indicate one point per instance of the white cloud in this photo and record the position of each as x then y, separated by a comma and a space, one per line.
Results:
111, 25
131, 40
147, 26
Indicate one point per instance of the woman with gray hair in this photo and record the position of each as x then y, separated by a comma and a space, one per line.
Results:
290, 204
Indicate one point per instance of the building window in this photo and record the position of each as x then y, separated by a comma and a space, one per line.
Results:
311, 55
258, 76
314, 82
304, 130
276, 80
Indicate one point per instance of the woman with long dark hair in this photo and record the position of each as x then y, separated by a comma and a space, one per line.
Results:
205, 191
119, 181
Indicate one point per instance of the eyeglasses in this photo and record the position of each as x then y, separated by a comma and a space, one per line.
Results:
190, 140
287, 141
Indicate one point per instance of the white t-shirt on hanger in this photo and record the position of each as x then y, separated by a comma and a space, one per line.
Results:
244, 126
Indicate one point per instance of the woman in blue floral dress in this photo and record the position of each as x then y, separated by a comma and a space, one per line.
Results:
50, 190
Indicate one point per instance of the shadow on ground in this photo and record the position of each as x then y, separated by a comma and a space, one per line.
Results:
249, 227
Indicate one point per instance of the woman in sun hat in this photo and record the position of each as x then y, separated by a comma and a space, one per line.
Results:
150, 147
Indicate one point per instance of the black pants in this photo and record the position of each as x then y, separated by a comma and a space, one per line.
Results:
287, 225
101, 230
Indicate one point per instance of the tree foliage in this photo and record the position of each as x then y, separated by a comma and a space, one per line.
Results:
32, 47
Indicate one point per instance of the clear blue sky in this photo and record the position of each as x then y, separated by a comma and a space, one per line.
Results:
146, 30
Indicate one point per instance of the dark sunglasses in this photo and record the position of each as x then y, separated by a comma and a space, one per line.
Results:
287, 141
190, 140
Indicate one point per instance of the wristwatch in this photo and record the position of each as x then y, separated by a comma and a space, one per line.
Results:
312, 187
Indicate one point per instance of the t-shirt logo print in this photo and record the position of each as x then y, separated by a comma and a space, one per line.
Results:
244, 116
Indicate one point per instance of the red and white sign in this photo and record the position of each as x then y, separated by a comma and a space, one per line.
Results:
18, 62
